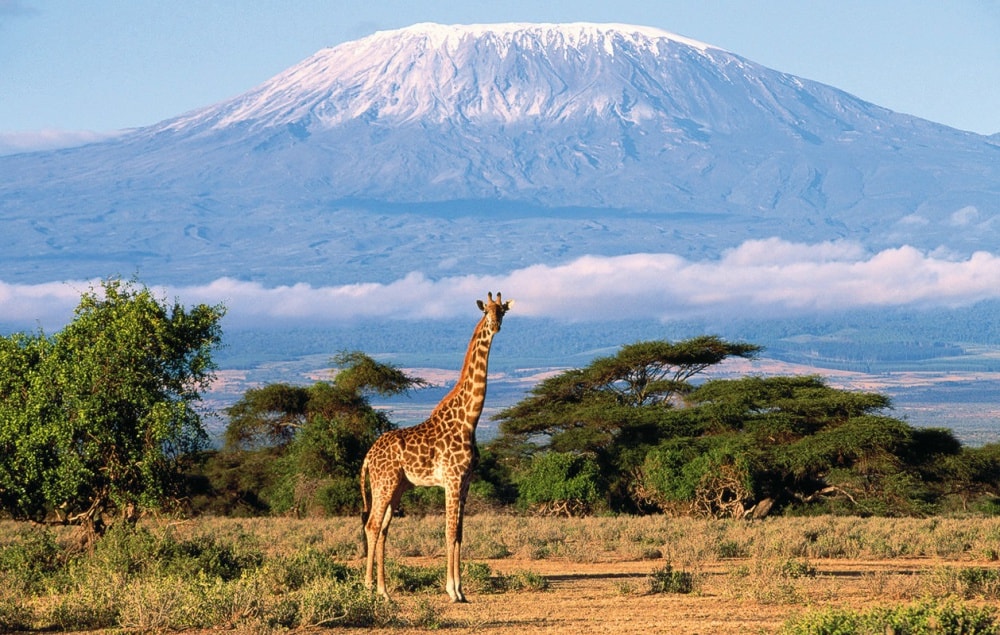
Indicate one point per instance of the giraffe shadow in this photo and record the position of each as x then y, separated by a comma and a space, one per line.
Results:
571, 577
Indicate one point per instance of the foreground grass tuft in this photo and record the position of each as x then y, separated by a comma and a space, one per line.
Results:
667, 580
932, 616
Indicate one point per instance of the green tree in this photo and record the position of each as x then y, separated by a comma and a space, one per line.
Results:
266, 416
625, 395
970, 474
614, 409
99, 418
795, 441
316, 436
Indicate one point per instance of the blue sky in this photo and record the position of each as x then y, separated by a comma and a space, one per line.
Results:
104, 65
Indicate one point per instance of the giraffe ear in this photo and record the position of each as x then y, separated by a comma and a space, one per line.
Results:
507, 305
480, 304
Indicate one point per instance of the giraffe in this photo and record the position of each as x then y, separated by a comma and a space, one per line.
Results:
440, 451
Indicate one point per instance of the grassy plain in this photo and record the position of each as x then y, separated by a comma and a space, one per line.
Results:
524, 574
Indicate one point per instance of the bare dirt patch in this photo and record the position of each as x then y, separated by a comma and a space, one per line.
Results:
730, 596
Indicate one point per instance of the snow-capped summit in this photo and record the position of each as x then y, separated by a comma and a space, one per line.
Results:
601, 138
464, 73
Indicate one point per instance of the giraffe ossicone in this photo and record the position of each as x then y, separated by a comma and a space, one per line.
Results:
441, 451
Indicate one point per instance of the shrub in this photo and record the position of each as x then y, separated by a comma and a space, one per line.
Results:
793, 568
479, 577
709, 477
411, 579
561, 480
14, 615
526, 581
339, 496
666, 580
87, 607
124, 551
969, 582
929, 616
30, 559
131, 551
326, 602
306, 565
208, 556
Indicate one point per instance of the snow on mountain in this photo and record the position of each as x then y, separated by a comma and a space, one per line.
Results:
478, 149
477, 74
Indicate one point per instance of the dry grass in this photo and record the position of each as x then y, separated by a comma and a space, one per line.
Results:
604, 539
777, 567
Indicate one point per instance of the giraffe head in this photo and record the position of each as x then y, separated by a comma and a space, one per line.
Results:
494, 310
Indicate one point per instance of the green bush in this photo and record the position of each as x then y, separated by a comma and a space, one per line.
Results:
927, 617
309, 564
14, 614
208, 556
412, 579
131, 551
151, 581
339, 496
667, 580
479, 577
31, 559
125, 551
325, 602
981, 582
558, 477
420, 501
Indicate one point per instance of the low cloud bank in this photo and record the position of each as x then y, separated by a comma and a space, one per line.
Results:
17, 142
766, 278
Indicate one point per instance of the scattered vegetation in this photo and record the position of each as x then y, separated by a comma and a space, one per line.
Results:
629, 433
283, 573
632, 433
216, 574
928, 616
98, 422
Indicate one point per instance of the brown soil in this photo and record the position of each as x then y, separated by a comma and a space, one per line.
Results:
614, 597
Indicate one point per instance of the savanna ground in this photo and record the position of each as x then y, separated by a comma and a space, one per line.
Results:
551, 575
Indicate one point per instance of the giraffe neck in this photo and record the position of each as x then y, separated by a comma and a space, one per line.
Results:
469, 394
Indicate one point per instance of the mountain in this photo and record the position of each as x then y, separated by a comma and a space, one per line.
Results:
478, 149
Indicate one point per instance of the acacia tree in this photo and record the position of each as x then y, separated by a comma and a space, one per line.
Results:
794, 442
627, 394
614, 409
98, 418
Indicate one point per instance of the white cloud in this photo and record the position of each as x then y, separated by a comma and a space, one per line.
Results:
48, 305
965, 216
914, 219
761, 278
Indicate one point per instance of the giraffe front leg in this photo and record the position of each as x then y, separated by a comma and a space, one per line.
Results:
454, 507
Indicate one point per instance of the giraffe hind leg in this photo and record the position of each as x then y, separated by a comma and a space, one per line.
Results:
376, 528
376, 533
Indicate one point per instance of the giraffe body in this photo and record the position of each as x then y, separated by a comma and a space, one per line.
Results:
441, 451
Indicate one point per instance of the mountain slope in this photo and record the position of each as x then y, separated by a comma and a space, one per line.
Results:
386, 155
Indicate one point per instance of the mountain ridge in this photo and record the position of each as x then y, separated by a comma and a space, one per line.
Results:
667, 143
425, 59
